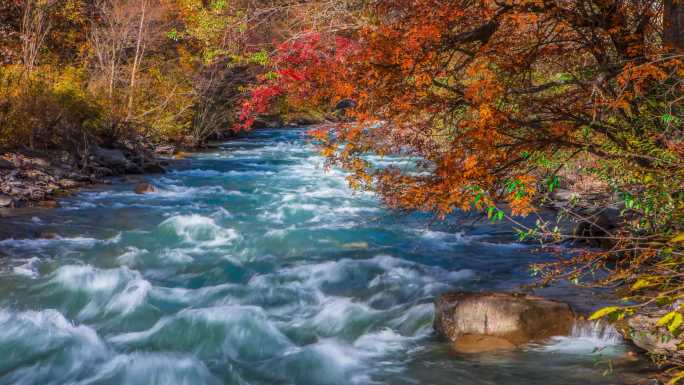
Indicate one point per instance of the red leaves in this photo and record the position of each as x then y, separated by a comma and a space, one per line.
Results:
305, 70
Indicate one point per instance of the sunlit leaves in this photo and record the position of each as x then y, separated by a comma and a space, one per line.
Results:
605, 312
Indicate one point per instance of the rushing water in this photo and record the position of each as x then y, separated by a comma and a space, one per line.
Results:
252, 265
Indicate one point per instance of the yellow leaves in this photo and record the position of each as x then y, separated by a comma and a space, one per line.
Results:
673, 320
604, 312
676, 379
641, 284
678, 238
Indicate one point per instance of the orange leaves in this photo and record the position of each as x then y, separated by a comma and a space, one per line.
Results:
468, 89
637, 76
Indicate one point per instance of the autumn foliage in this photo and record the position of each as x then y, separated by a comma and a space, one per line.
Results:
497, 100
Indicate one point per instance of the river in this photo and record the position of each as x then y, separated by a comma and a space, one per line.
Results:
251, 264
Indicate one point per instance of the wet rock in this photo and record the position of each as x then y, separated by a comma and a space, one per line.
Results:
6, 201
110, 156
78, 177
599, 222
113, 161
68, 183
647, 378
268, 121
48, 235
303, 119
48, 204
563, 198
153, 168
168, 149
345, 103
480, 322
6, 164
644, 332
144, 188
472, 344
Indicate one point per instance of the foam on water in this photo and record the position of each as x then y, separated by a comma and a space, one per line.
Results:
241, 333
103, 291
36, 244
153, 369
587, 338
198, 229
255, 266
42, 347
28, 269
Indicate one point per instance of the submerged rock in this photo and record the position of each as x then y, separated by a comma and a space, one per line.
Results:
476, 343
481, 322
144, 188
48, 204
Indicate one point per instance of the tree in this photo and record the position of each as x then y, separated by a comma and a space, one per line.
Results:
673, 23
498, 100
35, 26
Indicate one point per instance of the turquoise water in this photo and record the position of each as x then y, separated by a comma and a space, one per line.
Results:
253, 265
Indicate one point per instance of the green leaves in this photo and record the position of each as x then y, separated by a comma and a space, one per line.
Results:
667, 118
173, 35
553, 183
261, 58
495, 214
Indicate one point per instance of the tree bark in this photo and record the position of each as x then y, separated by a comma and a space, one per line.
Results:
673, 24
136, 60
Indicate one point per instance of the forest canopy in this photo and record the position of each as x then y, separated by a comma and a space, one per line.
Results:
505, 103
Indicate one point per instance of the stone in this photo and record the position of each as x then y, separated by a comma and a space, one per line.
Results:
268, 121
6, 201
478, 322
48, 235
599, 224
167, 149
110, 157
68, 183
6, 164
345, 103
473, 344
48, 204
644, 332
153, 168
144, 188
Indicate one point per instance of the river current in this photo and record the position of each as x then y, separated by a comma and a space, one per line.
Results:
251, 264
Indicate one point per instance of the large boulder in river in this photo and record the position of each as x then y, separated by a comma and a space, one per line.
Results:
481, 322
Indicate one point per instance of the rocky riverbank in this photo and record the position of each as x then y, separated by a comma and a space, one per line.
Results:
36, 178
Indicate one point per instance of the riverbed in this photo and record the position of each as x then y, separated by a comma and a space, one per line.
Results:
253, 264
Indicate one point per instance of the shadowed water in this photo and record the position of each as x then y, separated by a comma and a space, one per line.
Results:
252, 265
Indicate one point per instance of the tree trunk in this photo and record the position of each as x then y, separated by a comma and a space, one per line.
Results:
673, 24
136, 60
